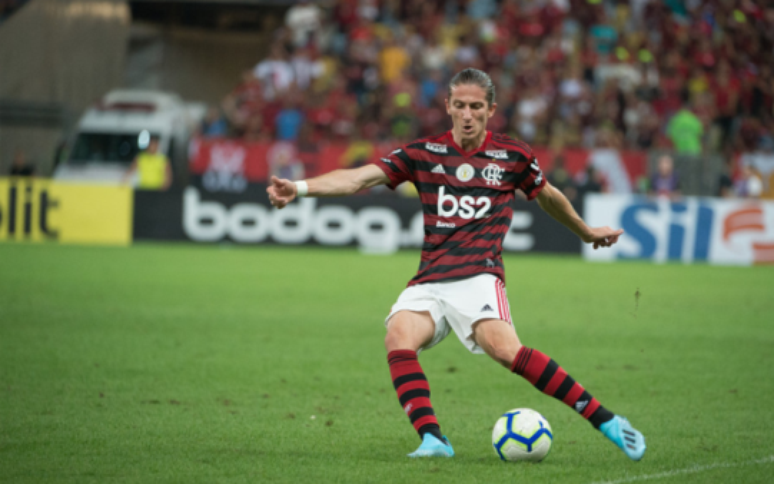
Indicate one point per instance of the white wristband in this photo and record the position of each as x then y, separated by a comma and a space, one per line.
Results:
302, 188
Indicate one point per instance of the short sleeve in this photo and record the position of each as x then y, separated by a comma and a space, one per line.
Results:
534, 181
397, 166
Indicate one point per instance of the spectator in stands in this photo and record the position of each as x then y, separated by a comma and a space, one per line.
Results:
214, 124
726, 92
304, 20
685, 130
275, 73
289, 119
255, 129
393, 60
153, 168
306, 67
749, 184
530, 113
359, 152
590, 181
762, 163
560, 178
20, 166
665, 182
284, 161
434, 56
726, 179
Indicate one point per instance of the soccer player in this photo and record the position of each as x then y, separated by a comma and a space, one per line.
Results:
467, 179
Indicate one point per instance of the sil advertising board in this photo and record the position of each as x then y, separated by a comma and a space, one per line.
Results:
687, 230
41, 210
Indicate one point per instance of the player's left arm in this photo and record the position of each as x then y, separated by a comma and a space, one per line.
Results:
553, 202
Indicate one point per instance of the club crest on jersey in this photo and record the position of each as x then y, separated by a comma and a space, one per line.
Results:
435, 147
465, 172
493, 174
499, 154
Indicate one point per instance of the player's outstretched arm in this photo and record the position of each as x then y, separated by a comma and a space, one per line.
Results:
553, 202
336, 183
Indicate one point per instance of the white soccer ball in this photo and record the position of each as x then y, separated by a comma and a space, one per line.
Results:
522, 434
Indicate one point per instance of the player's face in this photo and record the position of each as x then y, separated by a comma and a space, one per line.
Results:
469, 112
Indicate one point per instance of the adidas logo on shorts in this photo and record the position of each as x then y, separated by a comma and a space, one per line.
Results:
487, 307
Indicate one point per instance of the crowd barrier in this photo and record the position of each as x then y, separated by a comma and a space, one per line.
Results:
687, 230
228, 165
373, 222
41, 210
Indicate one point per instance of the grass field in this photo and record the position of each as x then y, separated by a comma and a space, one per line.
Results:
182, 363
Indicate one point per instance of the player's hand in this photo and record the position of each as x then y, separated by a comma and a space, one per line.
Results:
603, 237
281, 191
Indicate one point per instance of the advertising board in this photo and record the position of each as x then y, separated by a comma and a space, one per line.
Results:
690, 229
38, 210
374, 222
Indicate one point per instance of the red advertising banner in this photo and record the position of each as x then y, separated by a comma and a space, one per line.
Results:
255, 160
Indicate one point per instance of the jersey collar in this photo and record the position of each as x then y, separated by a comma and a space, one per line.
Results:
464, 153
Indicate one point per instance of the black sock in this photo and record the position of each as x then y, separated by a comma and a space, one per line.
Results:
600, 416
432, 429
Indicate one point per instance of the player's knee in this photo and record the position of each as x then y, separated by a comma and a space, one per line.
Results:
397, 337
404, 333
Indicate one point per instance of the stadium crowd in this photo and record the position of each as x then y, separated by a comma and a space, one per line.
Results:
694, 76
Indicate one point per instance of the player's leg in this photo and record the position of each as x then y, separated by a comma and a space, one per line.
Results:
498, 339
407, 332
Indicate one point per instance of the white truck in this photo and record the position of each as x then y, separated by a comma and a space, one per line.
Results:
110, 134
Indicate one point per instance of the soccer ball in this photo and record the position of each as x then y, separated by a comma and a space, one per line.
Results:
522, 434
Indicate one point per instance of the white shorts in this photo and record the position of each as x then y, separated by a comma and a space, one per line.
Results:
457, 305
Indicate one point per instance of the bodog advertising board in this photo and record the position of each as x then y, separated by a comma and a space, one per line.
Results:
373, 222
41, 210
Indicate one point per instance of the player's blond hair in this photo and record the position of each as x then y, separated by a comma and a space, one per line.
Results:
476, 78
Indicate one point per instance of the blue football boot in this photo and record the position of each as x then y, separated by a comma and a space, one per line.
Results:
629, 439
432, 447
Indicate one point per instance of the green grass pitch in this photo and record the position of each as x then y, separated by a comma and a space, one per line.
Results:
219, 364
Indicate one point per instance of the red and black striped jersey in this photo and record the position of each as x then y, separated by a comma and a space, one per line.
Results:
466, 199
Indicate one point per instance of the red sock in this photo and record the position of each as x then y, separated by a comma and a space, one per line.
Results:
413, 391
551, 379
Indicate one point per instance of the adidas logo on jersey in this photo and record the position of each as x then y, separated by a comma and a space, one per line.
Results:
438, 169
487, 307
499, 154
435, 147
386, 160
580, 405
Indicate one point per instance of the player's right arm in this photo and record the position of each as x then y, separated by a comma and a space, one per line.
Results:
333, 184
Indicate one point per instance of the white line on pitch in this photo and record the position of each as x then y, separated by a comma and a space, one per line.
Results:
689, 470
